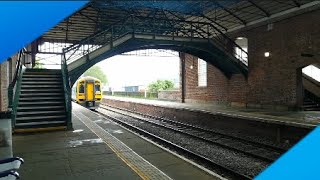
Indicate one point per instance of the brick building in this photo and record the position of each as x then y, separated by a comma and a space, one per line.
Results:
272, 82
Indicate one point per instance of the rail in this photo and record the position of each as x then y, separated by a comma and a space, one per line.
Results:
67, 91
189, 153
247, 147
14, 87
170, 27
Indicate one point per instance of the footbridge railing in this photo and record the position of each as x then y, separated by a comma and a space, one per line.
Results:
173, 28
67, 91
14, 86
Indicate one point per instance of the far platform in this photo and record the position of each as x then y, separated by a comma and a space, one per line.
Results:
298, 118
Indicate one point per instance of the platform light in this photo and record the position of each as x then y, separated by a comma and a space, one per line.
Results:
191, 67
240, 38
266, 54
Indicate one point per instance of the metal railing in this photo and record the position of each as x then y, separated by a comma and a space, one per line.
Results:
310, 96
14, 86
169, 27
67, 91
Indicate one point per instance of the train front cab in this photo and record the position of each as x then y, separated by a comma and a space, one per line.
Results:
89, 93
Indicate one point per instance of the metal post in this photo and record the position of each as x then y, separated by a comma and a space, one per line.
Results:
183, 76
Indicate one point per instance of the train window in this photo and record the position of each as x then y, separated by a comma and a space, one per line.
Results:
81, 88
97, 87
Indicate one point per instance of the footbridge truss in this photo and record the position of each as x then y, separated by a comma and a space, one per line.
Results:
103, 29
134, 33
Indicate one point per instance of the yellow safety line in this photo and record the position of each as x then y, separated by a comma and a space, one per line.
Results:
119, 154
29, 130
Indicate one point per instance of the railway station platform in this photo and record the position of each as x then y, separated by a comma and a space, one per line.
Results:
297, 118
97, 149
276, 128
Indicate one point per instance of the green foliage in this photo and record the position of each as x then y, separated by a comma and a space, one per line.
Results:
97, 72
160, 85
38, 64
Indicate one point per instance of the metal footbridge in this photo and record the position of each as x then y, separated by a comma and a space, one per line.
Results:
134, 34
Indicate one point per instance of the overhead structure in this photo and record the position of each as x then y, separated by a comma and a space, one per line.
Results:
195, 27
225, 16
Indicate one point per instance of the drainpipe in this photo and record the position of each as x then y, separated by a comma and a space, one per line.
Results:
183, 76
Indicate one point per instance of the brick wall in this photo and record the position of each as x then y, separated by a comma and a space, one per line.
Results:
4, 78
217, 85
7, 71
273, 81
172, 95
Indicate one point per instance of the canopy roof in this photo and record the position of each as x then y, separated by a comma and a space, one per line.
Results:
225, 15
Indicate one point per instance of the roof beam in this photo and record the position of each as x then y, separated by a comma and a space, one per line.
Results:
296, 3
182, 19
214, 22
231, 13
87, 17
260, 8
281, 15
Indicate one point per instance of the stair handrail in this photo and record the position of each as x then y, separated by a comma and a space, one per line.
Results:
108, 35
87, 40
310, 79
67, 91
14, 87
311, 96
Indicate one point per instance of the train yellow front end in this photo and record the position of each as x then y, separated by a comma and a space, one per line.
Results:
87, 92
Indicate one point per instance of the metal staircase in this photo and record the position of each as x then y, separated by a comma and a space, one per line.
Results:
311, 102
41, 104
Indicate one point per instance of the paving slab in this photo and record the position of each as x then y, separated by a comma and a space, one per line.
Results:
154, 154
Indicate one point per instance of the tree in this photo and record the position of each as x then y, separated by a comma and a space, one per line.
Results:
160, 85
97, 72
38, 64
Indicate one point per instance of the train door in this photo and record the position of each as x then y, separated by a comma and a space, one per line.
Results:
90, 94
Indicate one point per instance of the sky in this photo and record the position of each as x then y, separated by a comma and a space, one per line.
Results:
140, 68
124, 70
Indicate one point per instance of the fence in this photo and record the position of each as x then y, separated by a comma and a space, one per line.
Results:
148, 95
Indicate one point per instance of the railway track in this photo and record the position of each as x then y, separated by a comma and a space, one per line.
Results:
265, 153
252, 148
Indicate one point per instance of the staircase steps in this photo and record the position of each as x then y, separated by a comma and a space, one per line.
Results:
40, 94
24, 104
55, 90
311, 102
37, 98
43, 108
41, 105
56, 82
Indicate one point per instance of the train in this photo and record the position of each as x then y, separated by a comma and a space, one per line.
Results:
87, 92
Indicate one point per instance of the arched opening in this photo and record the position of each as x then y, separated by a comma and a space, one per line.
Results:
138, 74
242, 49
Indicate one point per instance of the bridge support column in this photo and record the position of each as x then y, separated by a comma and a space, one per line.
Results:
183, 76
299, 89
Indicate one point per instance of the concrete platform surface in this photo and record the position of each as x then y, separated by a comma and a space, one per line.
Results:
309, 118
97, 149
